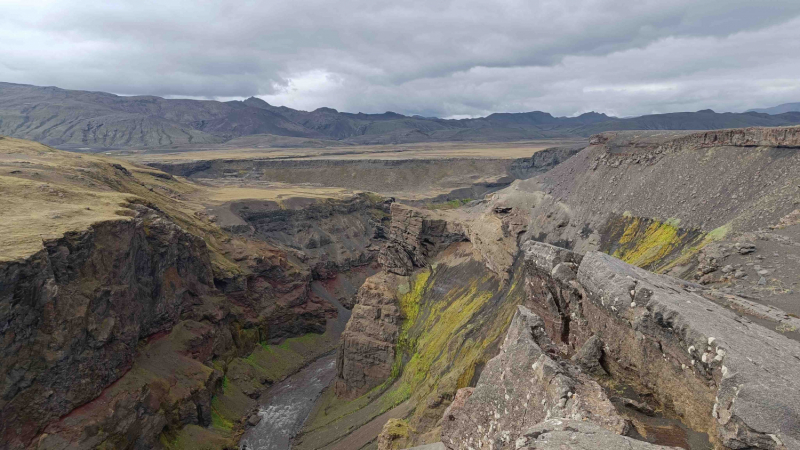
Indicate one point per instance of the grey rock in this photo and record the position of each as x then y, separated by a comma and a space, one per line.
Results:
748, 373
367, 349
253, 420
434, 446
523, 386
641, 407
415, 236
560, 434
589, 355
745, 248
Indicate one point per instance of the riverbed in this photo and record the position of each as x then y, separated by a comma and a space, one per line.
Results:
286, 405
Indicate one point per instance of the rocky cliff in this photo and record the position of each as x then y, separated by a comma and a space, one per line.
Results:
328, 235
662, 349
75, 311
368, 352
367, 348
131, 320
720, 373
521, 387
414, 236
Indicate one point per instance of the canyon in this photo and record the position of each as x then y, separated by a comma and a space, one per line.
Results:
635, 290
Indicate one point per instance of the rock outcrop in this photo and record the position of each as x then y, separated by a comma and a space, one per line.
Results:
719, 372
367, 350
521, 387
731, 137
415, 236
123, 308
74, 312
542, 161
559, 434
329, 235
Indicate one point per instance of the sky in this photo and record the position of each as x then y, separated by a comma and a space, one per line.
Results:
450, 59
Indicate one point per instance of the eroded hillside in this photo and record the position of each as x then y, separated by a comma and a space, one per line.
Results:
122, 298
715, 208
130, 292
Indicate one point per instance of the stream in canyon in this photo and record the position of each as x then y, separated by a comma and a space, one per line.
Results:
286, 405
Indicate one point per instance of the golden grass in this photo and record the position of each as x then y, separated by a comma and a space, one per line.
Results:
45, 193
439, 150
32, 211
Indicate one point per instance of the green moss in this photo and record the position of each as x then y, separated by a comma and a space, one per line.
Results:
690, 251
409, 298
193, 437
445, 339
719, 233
647, 243
646, 246
276, 362
396, 434
219, 422
373, 197
454, 318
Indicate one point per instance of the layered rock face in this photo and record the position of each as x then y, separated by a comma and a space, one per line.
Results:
522, 386
559, 434
123, 331
330, 236
663, 192
542, 161
367, 349
74, 312
732, 137
719, 372
415, 236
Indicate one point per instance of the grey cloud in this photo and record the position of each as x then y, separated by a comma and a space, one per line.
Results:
441, 58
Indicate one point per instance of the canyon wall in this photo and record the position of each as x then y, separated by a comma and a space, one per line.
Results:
717, 371
75, 311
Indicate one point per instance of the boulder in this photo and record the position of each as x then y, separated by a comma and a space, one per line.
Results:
559, 434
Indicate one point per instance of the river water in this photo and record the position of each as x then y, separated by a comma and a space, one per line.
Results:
286, 405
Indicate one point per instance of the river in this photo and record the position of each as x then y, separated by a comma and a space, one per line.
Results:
286, 405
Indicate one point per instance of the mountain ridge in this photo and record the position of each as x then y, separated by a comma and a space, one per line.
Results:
87, 120
780, 109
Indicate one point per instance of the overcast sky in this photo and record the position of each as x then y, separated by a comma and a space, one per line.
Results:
440, 58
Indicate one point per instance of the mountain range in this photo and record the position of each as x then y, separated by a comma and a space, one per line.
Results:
780, 109
71, 119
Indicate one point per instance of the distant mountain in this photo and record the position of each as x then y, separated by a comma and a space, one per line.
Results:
780, 109
96, 120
